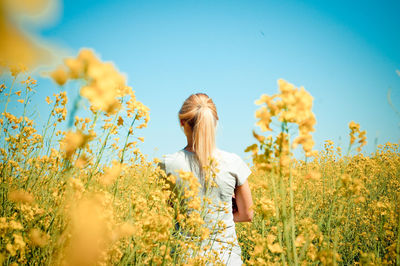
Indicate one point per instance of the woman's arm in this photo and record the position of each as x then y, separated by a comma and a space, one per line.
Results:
244, 204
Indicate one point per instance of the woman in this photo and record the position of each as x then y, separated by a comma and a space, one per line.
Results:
198, 118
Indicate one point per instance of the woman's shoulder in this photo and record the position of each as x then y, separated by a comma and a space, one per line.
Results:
171, 157
234, 164
227, 156
177, 159
180, 160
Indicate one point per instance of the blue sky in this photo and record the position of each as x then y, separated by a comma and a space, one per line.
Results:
345, 53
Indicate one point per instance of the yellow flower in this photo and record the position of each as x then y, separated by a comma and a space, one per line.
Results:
38, 238
264, 99
125, 230
274, 248
81, 161
284, 86
354, 131
20, 196
300, 241
76, 67
260, 138
111, 174
267, 208
17, 69
73, 141
120, 121
313, 175
101, 96
89, 230
60, 76
19, 244
87, 56
265, 118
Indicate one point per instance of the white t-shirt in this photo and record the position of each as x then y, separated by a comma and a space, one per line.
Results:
233, 172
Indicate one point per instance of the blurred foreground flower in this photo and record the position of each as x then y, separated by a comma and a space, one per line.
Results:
104, 84
73, 141
89, 231
38, 238
111, 173
17, 46
20, 196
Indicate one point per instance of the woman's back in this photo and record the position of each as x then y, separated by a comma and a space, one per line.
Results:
230, 172
198, 118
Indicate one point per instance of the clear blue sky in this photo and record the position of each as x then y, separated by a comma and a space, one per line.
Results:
345, 53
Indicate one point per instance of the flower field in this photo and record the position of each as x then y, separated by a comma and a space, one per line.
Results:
80, 192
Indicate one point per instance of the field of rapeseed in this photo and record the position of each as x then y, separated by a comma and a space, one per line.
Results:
79, 191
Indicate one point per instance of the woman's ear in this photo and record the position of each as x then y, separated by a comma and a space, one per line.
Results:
182, 122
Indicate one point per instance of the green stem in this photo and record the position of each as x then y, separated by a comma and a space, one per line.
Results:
282, 192
335, 240
126, 139
96, 116
99, 155
73, 111
292, 217
9, 94
3, 185
47, 125
277, 211
165, 252
398, 243
8, 100
23, 123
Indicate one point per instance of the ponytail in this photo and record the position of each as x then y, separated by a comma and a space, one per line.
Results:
200, 112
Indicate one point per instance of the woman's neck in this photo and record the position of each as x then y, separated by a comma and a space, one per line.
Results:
189, 146
188, 149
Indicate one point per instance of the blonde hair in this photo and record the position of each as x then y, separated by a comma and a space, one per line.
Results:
200, 113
